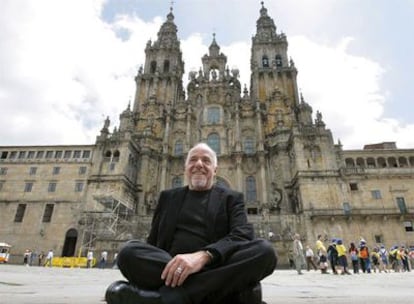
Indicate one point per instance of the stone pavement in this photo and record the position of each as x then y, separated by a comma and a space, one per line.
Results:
39, 285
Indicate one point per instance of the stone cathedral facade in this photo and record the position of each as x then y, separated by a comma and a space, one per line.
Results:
269, 145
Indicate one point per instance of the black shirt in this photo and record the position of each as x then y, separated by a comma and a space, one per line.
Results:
191, 230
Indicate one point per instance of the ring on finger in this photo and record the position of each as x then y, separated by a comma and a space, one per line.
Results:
179, 270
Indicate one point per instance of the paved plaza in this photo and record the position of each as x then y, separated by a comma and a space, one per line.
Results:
39, 285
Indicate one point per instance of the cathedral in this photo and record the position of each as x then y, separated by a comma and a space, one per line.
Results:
270, 146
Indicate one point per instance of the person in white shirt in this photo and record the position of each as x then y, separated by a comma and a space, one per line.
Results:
309, 258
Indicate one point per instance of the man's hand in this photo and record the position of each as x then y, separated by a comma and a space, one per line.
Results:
182, 265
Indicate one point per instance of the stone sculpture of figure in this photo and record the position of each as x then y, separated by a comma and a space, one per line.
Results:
192, 75
276, 196
318, 117
214, 74
107, 122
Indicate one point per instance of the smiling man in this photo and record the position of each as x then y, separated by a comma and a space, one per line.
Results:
200, 249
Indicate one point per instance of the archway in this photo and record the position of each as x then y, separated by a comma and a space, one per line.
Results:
70, 243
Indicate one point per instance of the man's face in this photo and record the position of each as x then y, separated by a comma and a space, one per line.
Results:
200, 169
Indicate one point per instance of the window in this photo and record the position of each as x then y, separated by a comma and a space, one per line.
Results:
401, 205
108, 155
166, 66
347, 208
58, 154
249, 145
13, 154
353, 186
116, 156
376, 194
177, 182
82, 170
49, 154
408, 226
86, 154
67, 154
78, 186
178, 148
22, 154
32, 170
77, 154
21, 208
265, 61
213, 115
278, 60
251, 189
252, 210
40, 154
47, 214
52, 187
378, 239
153, 67
4, 154
111, 166
56, 170
31, 154
3, 170
28, 187
213, 140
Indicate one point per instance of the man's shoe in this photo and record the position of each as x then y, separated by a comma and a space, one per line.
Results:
251, 295
121, 292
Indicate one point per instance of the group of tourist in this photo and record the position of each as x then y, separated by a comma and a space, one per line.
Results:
359, 256
30, 258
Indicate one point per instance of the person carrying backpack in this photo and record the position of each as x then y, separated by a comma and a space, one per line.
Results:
364, 256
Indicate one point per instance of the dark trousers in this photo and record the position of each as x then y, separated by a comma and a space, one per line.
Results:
309, 262
142, 264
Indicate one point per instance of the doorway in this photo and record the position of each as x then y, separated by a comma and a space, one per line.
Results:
70, 243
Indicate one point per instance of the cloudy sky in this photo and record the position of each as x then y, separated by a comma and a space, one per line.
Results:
67, 64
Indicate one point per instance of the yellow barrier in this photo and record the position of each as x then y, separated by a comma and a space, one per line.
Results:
71, 262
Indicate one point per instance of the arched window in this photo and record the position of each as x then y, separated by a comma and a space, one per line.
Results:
178, 148
381, 162
360, 162
177, 182
213, 140
107, 155
153, 67
392, 162
371, 162
278, 60
166, 66
213, 115
116, 156
403, 161
265, 61
251, 189
249, 145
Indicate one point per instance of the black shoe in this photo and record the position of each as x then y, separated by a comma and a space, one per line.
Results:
251, 295
121, 292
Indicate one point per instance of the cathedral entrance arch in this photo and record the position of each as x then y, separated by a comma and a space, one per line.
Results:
70, 243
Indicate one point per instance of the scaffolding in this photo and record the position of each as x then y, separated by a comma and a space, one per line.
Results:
111, 220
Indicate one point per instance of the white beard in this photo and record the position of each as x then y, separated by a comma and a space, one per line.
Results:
198, 182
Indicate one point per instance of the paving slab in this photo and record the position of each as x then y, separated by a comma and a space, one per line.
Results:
40, 285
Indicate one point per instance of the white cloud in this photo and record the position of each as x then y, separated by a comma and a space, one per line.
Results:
346, 89
65, 70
